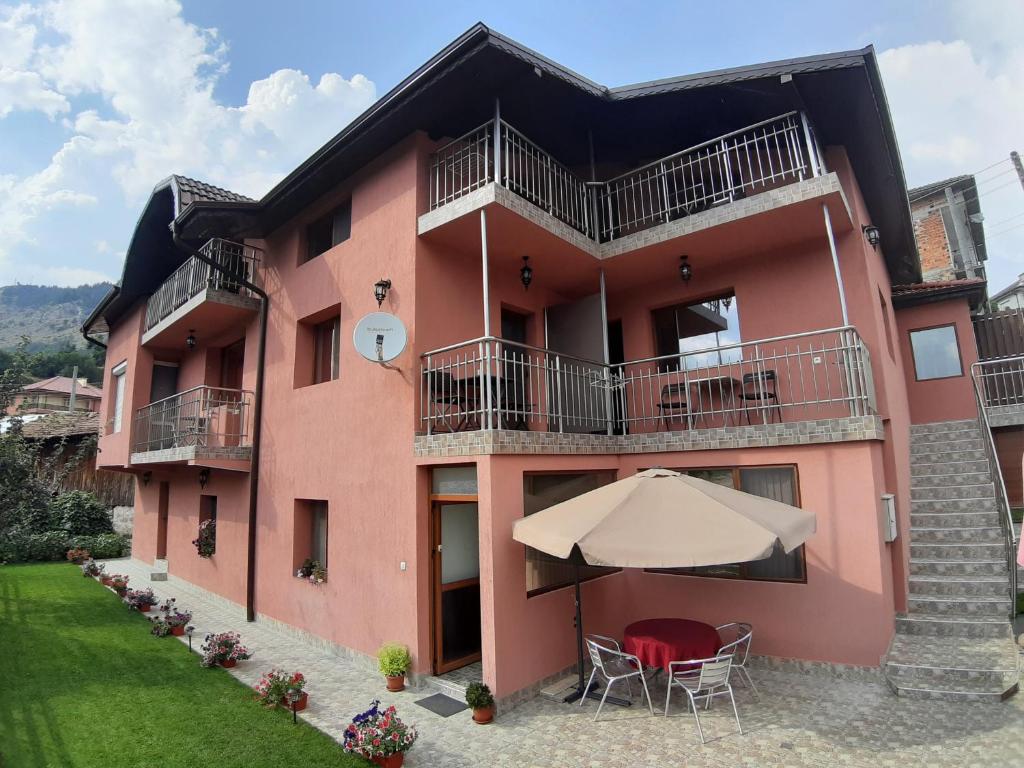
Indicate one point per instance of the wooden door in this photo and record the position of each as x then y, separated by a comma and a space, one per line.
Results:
455, 545
161, 521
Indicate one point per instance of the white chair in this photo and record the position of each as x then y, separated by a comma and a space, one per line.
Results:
702, 679
614, 665
738, 636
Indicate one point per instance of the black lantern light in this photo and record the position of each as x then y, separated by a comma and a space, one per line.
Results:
190, 340
204, 477
380, 290
685, 270
526, 273
873, 235
146, 477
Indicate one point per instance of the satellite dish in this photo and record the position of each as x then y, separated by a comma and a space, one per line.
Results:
379, 337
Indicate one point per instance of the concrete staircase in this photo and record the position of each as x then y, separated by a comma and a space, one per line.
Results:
955, 642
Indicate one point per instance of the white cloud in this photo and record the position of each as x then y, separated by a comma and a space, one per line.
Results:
155, 74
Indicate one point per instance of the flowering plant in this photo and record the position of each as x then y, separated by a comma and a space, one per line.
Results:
206, 542
223, 646
169, 618
92, 568
378, 733
312, 571
139, 598
118, 582
276, 687
78, 556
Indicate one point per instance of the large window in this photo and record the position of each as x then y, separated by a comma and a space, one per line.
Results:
936, 353
119, 383
327, 231
540, 491
326, 350
685, 329
778, 483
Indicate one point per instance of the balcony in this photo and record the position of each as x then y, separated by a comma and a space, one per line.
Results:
203, 426
1000, 385
602, 216
197, 296
805, 388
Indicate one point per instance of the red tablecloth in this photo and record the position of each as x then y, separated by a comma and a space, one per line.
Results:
657, 642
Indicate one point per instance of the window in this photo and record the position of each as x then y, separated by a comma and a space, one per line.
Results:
778, 483
326, 350
685, 329
936, 353
310, 534
540, 491
327, 231
206, 542
119, 384
318, 529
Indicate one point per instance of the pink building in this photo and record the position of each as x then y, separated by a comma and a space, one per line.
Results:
55, 394
684, 273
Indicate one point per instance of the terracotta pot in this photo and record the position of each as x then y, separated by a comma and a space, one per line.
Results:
395, 682
144, 608
300, 705
391, 761
121, 591
105, 581
228, 663
178, 630
483, 715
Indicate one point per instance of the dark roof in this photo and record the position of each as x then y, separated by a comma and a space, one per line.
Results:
923, 293
62, 385
968, 187
191, 190
927, 190
55, 425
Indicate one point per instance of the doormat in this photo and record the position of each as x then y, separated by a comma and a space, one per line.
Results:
442, 705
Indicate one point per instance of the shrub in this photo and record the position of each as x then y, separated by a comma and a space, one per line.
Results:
105, 545
21, 547
479, 696
394, 660
80, 513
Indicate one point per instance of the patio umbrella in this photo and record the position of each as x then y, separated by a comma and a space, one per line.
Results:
662, 519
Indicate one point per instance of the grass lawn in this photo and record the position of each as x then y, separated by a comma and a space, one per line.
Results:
83, 683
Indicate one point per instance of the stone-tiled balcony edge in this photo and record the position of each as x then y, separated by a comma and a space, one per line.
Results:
192, 453
1005, 415
492, 442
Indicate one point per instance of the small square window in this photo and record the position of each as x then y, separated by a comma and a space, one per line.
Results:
936, 353
329, 230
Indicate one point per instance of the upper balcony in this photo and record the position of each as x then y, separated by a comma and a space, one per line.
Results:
712, 183
202, 426
489, 395
197, 296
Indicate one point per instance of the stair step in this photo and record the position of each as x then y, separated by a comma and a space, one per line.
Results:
931, 666
954, 505
945, 436
959, 606
954, 519
939, 625
993, 551
955, 535
952, 478
942, 426
943, 567
922, 454
951, 492
946, 446
994, 586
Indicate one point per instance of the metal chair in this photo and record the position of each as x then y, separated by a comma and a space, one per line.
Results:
674, 404
614, 665
447, 399
760, 381
738, 647
703, 683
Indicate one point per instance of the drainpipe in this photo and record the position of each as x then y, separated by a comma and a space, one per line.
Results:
835, 263
257, 416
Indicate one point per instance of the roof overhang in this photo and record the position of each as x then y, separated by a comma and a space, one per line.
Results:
973, 291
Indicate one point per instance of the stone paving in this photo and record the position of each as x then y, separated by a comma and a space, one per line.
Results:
809, 718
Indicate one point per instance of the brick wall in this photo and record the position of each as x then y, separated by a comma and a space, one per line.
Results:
933, 246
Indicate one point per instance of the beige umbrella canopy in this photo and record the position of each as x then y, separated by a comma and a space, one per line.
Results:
665, 519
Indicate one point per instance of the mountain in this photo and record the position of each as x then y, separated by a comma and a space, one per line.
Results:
48, 314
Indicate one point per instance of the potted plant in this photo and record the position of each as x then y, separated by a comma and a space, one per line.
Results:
119, 584
279, 689
105, 579
78, 555
312, 571
380, 736
394, 662
171, 620
223, 649
480, 699
90, 568
140, 600
206, 542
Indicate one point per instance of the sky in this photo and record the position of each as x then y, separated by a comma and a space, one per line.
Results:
102, 99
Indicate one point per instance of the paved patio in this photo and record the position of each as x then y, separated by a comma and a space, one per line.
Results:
800, 719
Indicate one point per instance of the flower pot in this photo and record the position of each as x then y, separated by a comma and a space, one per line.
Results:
229, 663
391, 761
300, 703
105, 581
121, 591
395, 683
483, 715
178, 631
144, 608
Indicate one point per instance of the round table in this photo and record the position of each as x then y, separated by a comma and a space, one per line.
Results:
658, 642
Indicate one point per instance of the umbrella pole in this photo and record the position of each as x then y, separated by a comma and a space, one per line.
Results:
580, 685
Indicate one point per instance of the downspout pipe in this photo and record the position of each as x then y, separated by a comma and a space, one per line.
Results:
257, 427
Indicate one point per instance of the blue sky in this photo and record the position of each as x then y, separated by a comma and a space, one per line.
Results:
101, 99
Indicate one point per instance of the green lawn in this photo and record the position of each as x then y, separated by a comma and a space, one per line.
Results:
83, 683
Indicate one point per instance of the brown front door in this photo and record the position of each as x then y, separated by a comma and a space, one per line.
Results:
455, 544
161, 521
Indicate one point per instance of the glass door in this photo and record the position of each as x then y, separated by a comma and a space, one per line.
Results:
456, 575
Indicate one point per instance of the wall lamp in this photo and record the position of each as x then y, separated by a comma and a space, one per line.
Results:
526, 273
685, 270
204, 477
873, 235
146, 477
380, 290
190, 340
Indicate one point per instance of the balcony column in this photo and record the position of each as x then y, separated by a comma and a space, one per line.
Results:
486, 367
835, 263
497, 142
607, 356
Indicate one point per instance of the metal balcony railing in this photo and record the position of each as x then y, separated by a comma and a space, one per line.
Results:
753, 159
195, 276
204, 417
490, 383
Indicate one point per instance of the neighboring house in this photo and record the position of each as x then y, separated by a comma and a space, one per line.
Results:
719, 310
948, 226
54, 394
1011, 297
